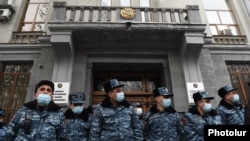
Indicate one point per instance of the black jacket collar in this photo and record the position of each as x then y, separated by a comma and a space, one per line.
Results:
51, 107
70, 115
107, 103
154, 109
229, 106
193, 110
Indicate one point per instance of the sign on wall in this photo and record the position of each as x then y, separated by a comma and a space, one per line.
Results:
193, 87
61, 93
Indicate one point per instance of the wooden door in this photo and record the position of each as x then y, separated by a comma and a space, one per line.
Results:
138, 86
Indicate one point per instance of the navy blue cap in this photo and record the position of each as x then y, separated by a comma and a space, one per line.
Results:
162, 91
1, 112
77, 97
225, 89
201, 95
111, 84
136, 104
45, 82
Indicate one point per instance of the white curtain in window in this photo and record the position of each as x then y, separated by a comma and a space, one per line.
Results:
106, 3
247, 5
144, 3
124, 2
215, 4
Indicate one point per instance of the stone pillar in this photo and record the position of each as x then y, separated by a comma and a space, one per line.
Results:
59, 13
64, 56
88, 84
193, 15
190, 52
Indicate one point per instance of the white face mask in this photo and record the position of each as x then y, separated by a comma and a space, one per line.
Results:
207, 107
236, 98
77, 109
43, 99
166, 102
120, 96
138, 111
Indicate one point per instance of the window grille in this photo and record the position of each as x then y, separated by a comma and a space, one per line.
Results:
14, 80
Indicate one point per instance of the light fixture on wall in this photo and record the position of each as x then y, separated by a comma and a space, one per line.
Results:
128, 24
6, 10
41, 66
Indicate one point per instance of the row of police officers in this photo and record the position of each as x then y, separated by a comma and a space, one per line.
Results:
115, 119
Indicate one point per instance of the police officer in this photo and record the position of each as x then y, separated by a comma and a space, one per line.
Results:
162, 122
77, 119
114, 119
40, 119
3, 126
199, 115
229, 107
138, 109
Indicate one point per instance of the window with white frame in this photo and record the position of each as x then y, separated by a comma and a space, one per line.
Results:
35, 15
220, 17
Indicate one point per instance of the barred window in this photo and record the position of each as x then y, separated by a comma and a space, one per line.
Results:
14, 80
239, 72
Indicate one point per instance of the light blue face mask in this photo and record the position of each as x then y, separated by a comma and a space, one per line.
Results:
236, 98
138, 111
207, 107
43, 99
120, 96
166, 102
77, 109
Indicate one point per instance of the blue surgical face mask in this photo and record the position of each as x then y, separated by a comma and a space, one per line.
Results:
207, 107
120, 96
77, 109
236, 98
43, 99
138, 111
166, 102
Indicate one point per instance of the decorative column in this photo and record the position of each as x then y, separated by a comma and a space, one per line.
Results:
190, 52
62, 43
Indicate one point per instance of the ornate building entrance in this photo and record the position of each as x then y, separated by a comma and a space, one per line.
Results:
138, 86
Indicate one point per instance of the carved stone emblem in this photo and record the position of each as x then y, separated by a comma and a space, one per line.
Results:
128, 13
